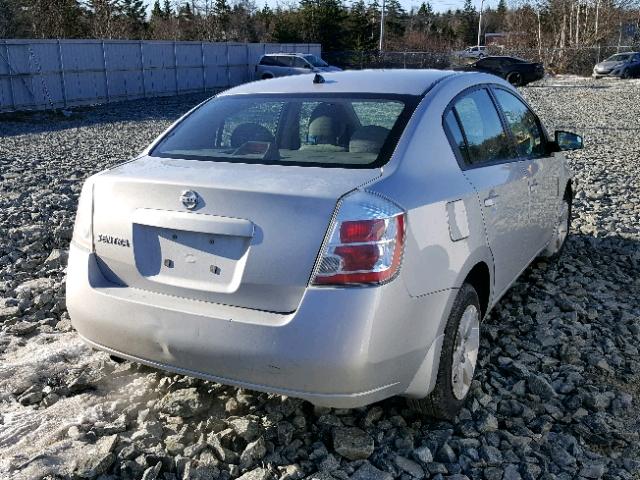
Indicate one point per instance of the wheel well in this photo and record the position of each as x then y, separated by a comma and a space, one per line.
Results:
480, 279
267, 76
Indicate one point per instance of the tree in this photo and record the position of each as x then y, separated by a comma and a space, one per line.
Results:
501, 16
359, 28
157, 10
135, 14
468, 27
323, 21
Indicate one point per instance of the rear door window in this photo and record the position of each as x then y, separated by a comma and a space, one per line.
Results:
525, 128
485, 138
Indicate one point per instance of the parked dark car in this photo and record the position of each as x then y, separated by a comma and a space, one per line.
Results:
516, 71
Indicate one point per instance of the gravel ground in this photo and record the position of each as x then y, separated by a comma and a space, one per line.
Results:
556, 393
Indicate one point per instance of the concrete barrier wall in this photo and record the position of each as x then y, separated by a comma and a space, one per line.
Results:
48, 74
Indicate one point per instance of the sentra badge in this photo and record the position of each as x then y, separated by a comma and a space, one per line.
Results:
110, 240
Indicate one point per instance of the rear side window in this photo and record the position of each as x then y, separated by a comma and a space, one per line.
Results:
524, 125
284, 61
453, 126
354, 131
299, 62
485, 138
269, 61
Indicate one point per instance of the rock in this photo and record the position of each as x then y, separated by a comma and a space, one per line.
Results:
487, 423
152, 473
186, 402
409, 466
592, 470
253, 453
423, 454
491, 455
247, 428
7, 312
446, 454
257, 474
352, 443
22, 328
56, 258
96, 459
538, 385
369, 472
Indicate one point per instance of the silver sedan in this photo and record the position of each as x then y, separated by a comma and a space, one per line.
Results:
335, 237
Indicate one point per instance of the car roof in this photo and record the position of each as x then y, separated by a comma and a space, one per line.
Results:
403, 82
292, 54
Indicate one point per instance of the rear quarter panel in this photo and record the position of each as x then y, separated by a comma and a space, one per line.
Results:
423, 177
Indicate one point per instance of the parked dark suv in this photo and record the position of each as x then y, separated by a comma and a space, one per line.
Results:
516, 71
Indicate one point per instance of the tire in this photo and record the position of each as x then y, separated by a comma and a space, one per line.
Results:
267, 76
514, 78
625, 74
560, 232
448, 396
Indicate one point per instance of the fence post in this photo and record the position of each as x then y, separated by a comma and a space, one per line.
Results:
228, 67
204, 69
62, 80
144, 88
106, 74
13, 98
175, 64
404, 60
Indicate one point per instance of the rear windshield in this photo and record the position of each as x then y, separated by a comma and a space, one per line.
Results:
354, 131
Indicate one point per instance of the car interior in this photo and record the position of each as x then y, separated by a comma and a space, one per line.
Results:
341, 131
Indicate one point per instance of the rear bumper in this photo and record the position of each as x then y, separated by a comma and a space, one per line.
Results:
343, 347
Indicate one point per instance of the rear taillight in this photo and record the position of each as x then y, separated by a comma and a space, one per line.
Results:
83, 227
364, 244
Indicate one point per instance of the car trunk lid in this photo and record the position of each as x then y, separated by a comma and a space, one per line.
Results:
251, 241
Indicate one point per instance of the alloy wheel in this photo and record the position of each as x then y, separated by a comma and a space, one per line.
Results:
465, 354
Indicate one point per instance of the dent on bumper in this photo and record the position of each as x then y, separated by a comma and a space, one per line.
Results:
341, 348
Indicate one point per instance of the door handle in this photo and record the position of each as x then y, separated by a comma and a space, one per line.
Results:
490, 201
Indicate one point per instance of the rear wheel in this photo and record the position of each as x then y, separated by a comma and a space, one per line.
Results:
267, 76
458, 358
625, 74
514, 78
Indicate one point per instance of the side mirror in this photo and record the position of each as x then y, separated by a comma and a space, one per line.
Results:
567, 141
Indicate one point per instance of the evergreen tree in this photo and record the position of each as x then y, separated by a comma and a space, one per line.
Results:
468, 28
359, 28
157, 12
135, 13
323, 21
394, 23
222, 12
501, 15
167, 11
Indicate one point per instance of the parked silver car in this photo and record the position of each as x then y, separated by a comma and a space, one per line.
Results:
622, 65
337, 238
282, 64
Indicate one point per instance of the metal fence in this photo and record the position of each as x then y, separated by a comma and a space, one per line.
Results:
48, 74
573, 60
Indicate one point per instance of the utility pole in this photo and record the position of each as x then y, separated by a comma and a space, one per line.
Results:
382, 28
480, 21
